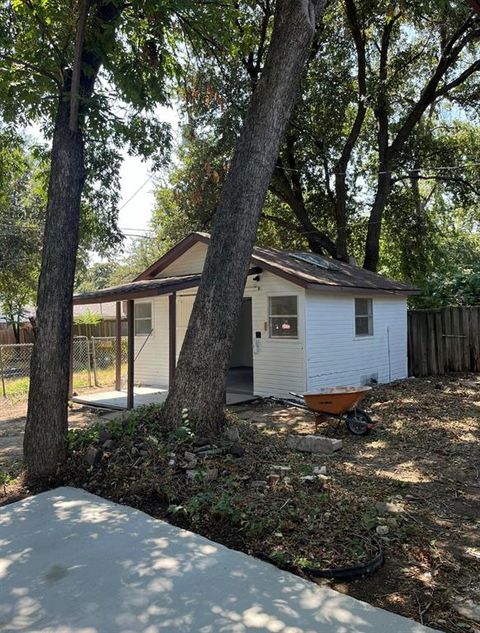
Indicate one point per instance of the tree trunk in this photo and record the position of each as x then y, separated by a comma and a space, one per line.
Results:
200, 379
45, 439
372, 244
341, 216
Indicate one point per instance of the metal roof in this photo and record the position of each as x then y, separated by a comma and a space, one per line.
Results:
138, 289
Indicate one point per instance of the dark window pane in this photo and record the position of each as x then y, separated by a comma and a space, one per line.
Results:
143, 310
363, 307
143, 326
283, 305
284, 327
363, 326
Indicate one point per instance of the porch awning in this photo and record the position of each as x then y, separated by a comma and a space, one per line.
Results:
138, 289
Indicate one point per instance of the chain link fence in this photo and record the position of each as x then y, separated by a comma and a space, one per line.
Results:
93, 365
104, 353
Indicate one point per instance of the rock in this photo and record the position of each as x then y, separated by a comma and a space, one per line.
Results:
382, 530
201, 441
283, 469
93, 455
171, 462
320, 470
388, 506
191, 458
211, 474
108, 445
232, 434
207, 475
314, 444
237, 451
259, 484
273, 479
211, 452
202, 448
104, 436
467, 609
308, 479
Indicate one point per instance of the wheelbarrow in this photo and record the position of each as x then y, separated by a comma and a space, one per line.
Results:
339, 403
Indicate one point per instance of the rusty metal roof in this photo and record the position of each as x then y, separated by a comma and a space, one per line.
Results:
138, 289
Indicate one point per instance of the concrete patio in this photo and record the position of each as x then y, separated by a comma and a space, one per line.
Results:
117, 400
72, 562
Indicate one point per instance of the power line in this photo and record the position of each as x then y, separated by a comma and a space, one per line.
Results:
136, 192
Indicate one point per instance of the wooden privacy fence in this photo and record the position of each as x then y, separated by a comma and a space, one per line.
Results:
443, 340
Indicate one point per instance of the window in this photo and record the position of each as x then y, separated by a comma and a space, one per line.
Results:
143, 319
283, 317
363, 317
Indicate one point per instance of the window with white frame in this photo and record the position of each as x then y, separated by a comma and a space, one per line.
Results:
283, 317
143, 319
363, 317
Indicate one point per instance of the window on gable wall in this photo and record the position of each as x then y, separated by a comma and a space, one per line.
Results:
363, 317
143, 319
283, 317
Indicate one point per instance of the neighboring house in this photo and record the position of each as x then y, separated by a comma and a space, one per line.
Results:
306, 321
106, 311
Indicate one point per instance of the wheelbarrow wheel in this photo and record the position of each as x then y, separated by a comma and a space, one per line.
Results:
358, 422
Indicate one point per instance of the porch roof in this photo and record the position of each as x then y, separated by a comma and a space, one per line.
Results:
139, 289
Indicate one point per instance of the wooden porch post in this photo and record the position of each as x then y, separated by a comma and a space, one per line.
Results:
131, 352
118, 346
172, 335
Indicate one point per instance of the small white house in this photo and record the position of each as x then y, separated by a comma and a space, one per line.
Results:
306, 321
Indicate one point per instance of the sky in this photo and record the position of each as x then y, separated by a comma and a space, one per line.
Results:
137, 198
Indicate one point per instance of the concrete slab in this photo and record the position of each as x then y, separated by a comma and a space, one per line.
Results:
71, 562
117, 400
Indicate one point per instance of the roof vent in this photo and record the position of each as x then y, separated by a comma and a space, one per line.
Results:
316, 260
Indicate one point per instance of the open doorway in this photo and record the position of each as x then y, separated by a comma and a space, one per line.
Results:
240, 373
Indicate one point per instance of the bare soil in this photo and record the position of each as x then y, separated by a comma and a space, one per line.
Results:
412, 485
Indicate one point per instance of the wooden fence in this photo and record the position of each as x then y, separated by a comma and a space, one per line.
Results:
7, 337
104, 328
443, 340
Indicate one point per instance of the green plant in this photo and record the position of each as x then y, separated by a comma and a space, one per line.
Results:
5, 480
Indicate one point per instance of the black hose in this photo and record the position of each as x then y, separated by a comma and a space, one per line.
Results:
339, 573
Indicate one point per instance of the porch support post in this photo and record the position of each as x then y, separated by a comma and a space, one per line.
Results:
118, 345
131, 352
172, 335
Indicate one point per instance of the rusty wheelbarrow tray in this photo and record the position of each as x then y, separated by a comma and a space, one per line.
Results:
340, 403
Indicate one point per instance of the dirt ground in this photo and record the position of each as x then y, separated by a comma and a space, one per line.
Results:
12, 425
423, 460
416, 477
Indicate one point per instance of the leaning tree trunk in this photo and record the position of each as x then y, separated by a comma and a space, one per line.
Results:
374, 230
200, 379
46, 428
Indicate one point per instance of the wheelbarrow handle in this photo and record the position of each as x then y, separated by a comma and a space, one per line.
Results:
297, 395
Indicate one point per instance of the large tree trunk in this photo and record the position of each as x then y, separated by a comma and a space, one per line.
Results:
372, 244
200, 379
45, 439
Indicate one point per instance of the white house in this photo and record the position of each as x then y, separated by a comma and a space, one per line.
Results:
306, 321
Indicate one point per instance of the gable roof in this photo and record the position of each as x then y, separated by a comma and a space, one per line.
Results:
305, 269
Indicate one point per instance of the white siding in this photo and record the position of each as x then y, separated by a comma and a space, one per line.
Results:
190, 262
278, 364
336, 357
151, 365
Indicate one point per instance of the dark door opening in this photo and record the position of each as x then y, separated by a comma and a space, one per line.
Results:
240, 374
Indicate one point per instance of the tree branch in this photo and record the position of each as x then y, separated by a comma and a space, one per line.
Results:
29, 66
